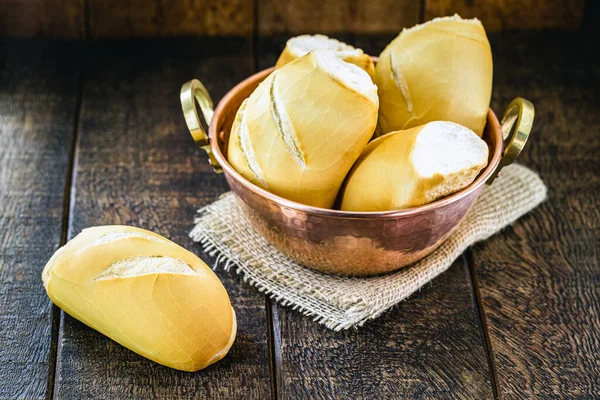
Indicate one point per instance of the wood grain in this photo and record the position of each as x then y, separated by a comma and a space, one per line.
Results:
163, 18
138, 18
429, 346
25, 18
38, 95
136, 164
539, 280
347, 16
502, 15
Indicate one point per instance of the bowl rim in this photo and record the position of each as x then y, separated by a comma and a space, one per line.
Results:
326, 212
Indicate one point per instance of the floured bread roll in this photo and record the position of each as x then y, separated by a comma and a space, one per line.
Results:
303, 127
146, 293
437, 71
410, 168
298, 46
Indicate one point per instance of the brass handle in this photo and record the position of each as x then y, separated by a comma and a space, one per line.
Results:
516, 125
192, 92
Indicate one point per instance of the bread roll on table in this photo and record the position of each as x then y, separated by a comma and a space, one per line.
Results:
437, 71
410, 168
299, 46
146, 293
303, 127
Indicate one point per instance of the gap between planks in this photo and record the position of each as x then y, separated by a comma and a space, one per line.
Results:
485, 337
274, 341
68, 199
273, 335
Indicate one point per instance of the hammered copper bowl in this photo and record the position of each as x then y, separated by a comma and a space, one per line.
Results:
340, 242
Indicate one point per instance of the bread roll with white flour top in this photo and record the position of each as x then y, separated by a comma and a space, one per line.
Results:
299, 46
437, 71
146, 293
410, 168
303, 127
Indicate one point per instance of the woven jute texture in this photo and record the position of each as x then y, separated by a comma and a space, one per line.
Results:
342, 302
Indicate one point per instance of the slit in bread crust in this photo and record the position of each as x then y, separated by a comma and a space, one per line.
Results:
284, 125
304, 44
400, 81
434, 21
245, 144
347, 75
137, 266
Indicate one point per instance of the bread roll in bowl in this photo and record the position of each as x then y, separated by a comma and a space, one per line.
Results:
300, 131
299, 46
410, 168
437, 71
146, 293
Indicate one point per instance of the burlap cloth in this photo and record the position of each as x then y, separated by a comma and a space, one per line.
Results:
339, 302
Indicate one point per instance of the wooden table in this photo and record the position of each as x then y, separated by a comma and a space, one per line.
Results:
93, 134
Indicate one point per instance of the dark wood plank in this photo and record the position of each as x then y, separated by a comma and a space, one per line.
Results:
315, 16
136, 164
502, 15
539, 280
429, 346
38, 96
591, 18
135, 18
58, 18
159, 18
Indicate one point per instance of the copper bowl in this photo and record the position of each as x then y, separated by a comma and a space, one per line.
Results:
340, 242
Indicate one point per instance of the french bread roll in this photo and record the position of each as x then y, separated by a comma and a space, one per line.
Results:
410, 168
437, 71
298, 46
146, 293
300, 131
